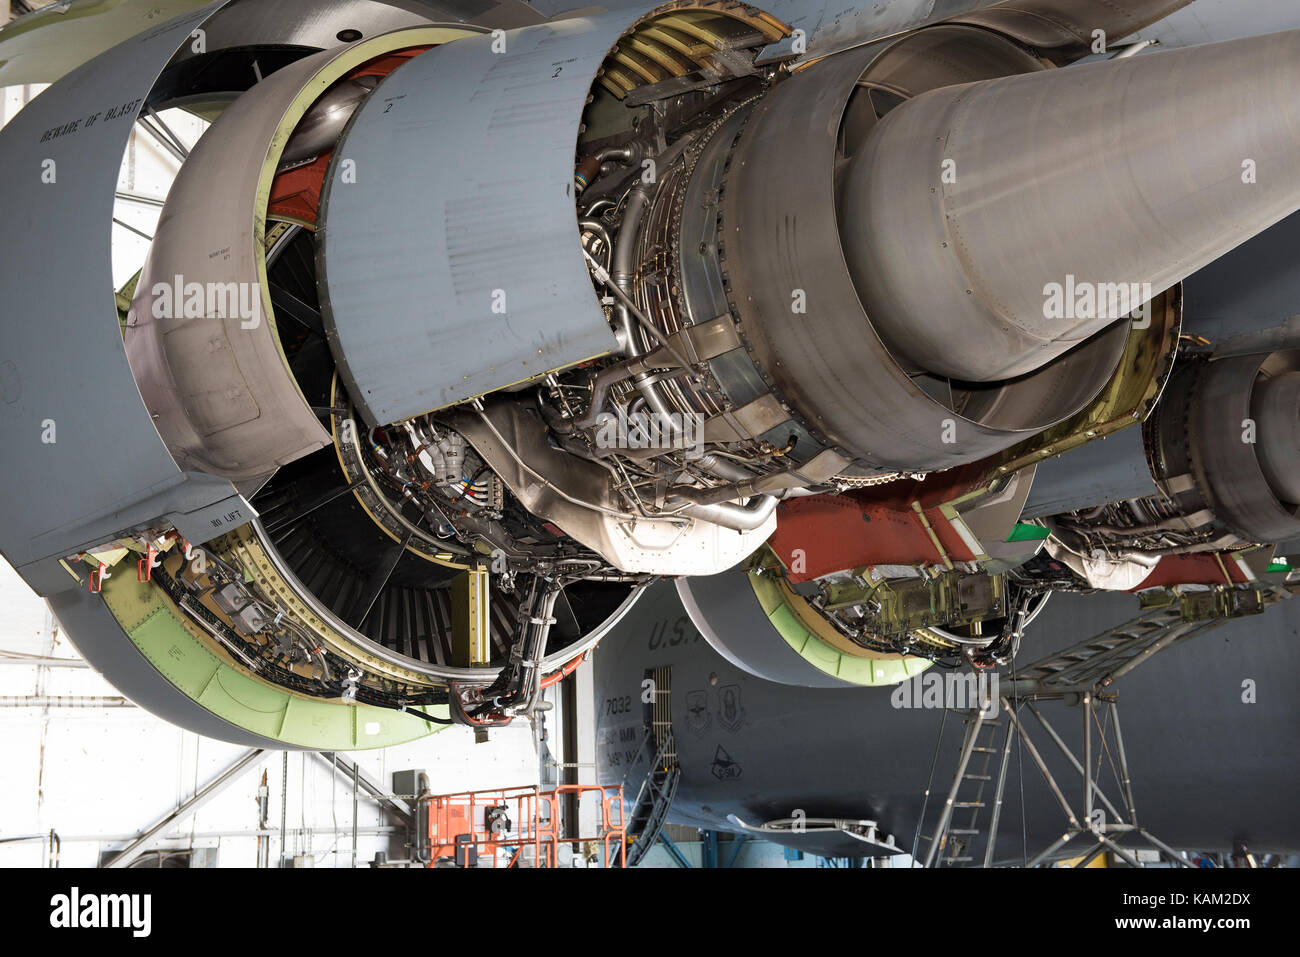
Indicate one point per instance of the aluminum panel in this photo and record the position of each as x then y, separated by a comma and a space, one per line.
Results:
219, 388
726, 612
217, 384
1107, 470
45, 45
462, 273
63, 370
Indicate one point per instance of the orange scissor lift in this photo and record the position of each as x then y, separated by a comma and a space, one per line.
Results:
515, 819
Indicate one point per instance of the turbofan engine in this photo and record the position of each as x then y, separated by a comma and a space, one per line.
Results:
453, 336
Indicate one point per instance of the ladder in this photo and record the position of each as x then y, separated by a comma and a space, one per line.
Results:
1113, 652
654, 798
953, 845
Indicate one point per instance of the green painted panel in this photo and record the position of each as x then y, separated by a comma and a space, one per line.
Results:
174, 652
789, 627
264, 720
245, 700
822, 656
860, 671
825, 657
1026, 532
252, 693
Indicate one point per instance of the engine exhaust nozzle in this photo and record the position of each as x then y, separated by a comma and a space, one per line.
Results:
991, 227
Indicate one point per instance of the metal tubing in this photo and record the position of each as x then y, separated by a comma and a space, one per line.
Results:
187, 807
1038, 760
742, 518
171, 135
284, 806
40, 661
1091, 855
997, 800
925, 798
1087, 758
1060, 744
396, 806
64, 701
1179, 858
1123, 767
1052, 848
1122, 852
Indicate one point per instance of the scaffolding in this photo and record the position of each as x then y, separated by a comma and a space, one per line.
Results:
1101, 822
1083, 674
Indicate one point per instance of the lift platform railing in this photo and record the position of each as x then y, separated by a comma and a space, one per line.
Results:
519, 827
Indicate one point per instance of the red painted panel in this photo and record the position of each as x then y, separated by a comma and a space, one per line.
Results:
1200, 569
836, 532
295, 193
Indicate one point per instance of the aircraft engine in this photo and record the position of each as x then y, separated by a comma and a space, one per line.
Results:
456, 332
